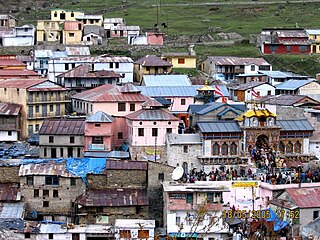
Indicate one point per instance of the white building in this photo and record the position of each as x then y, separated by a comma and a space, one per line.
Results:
21, 36
134, 229
120, 65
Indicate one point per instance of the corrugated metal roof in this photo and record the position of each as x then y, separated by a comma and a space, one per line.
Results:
166, 80
10, 109
293, 84
284, 99
313, 31
152, 115
20, 83
42, 169
17, 72
78, 51
294, 42
100, 59
129, 88
12, 211
52, 228
194, 108
100, 117
84, 71
280, 74
174, 138
305, 197
62, 127
108, 155
249, 85
292, 33
219, 127
109, 93
43, 53
126, 165
97, 16
173, 91
178, 54
237, 61
210, 107
92, 29
152, 61
295, 125
113, 198
11, 63
9, 192
113, 20
151, 103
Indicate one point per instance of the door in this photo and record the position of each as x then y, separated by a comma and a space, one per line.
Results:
75, 236
70, 152
44, 110
108, 34
53, 153
314, 49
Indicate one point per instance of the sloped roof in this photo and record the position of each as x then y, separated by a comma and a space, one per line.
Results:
71, 25
166, 80
9, 108
18, 72
285, 99
227, 60
42, 169
293, 84
129, 88
152, 115
20, 83
222, 88
174, 138
109, 93
100, 117
78, 51
92, 29
248, 85
305, 197
313, 31
255, 113
84, 71
11, 62
224, 126
62, 127
151, 103
280, 74
295, 125
12, 211
194, 108
210, 107
292, 33
113, 198
152, 61
164, 91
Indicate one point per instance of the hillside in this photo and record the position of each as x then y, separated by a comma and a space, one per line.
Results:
199, 18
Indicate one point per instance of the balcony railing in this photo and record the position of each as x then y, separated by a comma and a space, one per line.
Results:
97, 147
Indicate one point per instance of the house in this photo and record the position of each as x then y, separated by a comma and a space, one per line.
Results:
251, 90
299, 87
65, 15
165, 80
155, 38
61, 138
109, 22
92, 35
10, 122
122, 31
11, 67
227, 68
82, 78
28, 60
276, 77
39, 99
182, 60
181, 201
284, 41
183, 149
72, 32
314, 38
7, 21
118, 101
48, 189
90, 20
120, 65
98, 133
134, 229
150, 65
49, 31
148, 128
21, 36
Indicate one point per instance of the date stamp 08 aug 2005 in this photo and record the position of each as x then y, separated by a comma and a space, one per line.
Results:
257, 214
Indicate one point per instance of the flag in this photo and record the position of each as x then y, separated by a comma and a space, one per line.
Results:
218, 91
255, 94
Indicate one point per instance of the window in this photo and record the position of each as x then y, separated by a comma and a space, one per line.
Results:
178, 221
117, 65
143, 234
185, 149
297, 147
97, 140
55, 194
45, 193
181, 60
51, 139
289, 148
78, 152
161, 176
111, 65
27, 235
45, 203
214, 197
66, 66
18, 90
51, 108
148, 69
52, 180
61, 152
55, 14
45, 152
37, 109
72, 14
154, 132
252, 67
36, 193
140, 132
216, 149
121, 107
303, 48
72, 139
273, 48
169, 130
37, 127
315, 214
125, 234
120, 135
97, 125
183, 101
29, 181
132, 107
50, 235
288, 49
71, 34
224, 149
190, 198
269, 92
73, 182
233, 149
9, 133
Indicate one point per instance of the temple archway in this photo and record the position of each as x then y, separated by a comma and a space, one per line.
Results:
262, 141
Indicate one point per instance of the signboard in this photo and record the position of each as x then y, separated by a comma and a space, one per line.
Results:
150, 154
243, 184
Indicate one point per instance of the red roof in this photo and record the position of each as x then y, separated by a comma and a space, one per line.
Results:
153, 61
17, 72
20, 83
305, 197
110, 93
11, 62
9, 108
113, 198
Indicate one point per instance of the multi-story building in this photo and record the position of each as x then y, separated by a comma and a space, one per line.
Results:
65, 15
49, 31
61, 138
10, 121
21, 36
90, 20
314, 38
7, 21
72, 32
39, 99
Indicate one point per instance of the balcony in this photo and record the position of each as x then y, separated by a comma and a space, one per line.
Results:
97, 147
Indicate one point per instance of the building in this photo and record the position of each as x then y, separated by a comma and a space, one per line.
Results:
72, 33
21, 36
7, 21
165, 80
227, 68
10, 122
65, 15
39, 99
314, 38
110, 22
182, 60
251, 90
120, 65
284, 41
134, 229
276, 77
62, 138
122, 31
83, 78
11, 67
182, 204
150, 65
92, 35
90, 20
299, 87
49, 31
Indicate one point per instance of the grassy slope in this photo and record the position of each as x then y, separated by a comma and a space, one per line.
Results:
189, 20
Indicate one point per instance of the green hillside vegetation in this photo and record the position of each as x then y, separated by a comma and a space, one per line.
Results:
196, 19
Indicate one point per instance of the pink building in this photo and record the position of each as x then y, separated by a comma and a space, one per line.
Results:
154, 38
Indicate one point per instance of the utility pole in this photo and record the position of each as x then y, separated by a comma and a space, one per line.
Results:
155, 149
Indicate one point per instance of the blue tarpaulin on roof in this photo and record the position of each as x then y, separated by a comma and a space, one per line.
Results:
82, 166
278, 224
42, 160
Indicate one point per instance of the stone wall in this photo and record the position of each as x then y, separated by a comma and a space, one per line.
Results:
9, 174
140, 153
288, 113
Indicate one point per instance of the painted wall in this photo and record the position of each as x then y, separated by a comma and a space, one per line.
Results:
189, 62
310, 88
6, 137
284, 49
99, 129
69, 15
72, 37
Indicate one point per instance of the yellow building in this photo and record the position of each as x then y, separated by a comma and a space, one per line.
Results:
180, 60
65, 15
314, 38
49, 31
39, 99
72, 33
